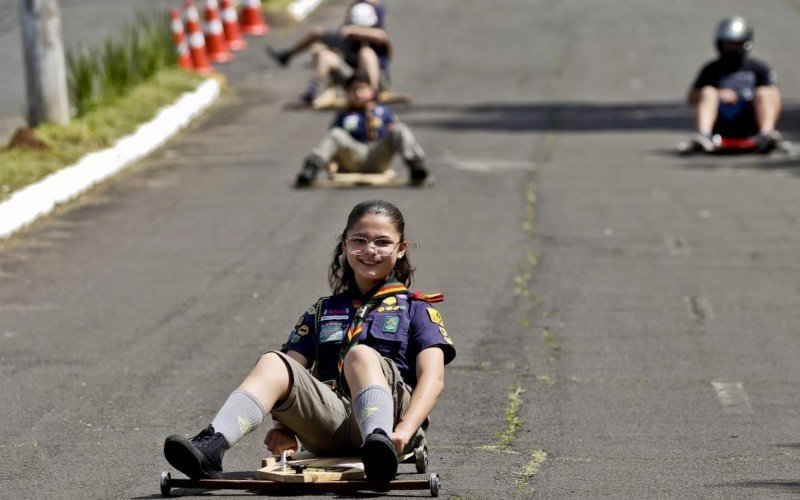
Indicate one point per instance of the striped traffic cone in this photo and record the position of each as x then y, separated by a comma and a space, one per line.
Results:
230, 25
197, 44
217, 47
179, 38
251, 18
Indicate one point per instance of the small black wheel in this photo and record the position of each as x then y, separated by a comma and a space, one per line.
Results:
434, 483
165, 487
421, 459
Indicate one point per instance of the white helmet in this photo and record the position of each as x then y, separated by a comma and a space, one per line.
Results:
362, 14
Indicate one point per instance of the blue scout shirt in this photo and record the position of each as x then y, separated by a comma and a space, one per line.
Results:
354, 121
398, 329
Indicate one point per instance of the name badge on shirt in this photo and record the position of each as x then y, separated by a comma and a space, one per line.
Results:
331, 332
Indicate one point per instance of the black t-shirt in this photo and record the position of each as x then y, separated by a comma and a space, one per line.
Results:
743, 77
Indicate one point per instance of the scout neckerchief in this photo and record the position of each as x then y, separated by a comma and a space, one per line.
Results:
389, 288
371, 122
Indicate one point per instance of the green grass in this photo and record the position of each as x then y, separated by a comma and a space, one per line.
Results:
512, 423
102, 75
275, 5
95, 130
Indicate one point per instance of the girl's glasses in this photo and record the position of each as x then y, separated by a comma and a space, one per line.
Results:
357, 245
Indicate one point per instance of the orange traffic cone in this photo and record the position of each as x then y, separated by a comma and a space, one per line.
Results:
217, 47
251, 19
178, 37
197, 44
230, 24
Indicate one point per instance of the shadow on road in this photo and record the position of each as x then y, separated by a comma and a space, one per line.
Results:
787, 445
771, 486
569, 116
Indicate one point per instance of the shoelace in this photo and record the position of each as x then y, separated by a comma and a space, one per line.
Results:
204, 438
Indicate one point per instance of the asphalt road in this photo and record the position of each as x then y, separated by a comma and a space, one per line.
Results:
641, 306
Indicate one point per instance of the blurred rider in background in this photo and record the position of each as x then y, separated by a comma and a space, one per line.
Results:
735, 95
360, 45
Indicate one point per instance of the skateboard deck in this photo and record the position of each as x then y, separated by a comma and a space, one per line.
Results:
388, 97
312, 470
330, 99
308, 474
734, 145
388, 178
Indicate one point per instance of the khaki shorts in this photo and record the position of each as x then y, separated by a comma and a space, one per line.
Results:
323, 419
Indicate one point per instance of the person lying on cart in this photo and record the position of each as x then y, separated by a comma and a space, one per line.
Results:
364, 138
359, 373
735, 95
361, 44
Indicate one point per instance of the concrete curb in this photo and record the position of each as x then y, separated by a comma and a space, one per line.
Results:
29, 203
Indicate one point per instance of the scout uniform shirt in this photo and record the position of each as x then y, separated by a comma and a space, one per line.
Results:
398, 328
365, 125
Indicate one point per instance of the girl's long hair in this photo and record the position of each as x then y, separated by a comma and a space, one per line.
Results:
340, 275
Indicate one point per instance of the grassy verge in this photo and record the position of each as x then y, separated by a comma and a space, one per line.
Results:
97, 129
275, 5
276, 12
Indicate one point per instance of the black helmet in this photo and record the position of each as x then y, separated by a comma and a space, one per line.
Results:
735, 30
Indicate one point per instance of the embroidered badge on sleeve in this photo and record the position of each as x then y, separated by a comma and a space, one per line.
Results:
445, 336
435, 317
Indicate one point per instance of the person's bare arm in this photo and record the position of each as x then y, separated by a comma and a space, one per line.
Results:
364, 34
280, 438
430, 383
693, 97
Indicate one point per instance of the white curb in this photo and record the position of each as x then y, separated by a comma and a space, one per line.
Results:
300, 9
29, 203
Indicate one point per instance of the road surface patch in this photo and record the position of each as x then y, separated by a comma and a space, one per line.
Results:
733, 397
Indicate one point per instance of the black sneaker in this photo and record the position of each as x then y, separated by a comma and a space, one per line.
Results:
418, 171
379, 456
702, 142
282, 57
311, 167
199, 457
767, 141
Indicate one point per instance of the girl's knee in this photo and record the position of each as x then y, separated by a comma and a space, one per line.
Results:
361, 354
271, 362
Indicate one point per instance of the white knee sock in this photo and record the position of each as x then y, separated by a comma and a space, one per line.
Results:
240, 414
373, 408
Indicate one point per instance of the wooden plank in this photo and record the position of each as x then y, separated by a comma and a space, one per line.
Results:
318, 469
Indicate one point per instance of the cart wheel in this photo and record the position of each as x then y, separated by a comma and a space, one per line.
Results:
434, 483
421, 459
165, 487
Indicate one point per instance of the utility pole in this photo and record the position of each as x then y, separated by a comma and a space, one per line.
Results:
45, 68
